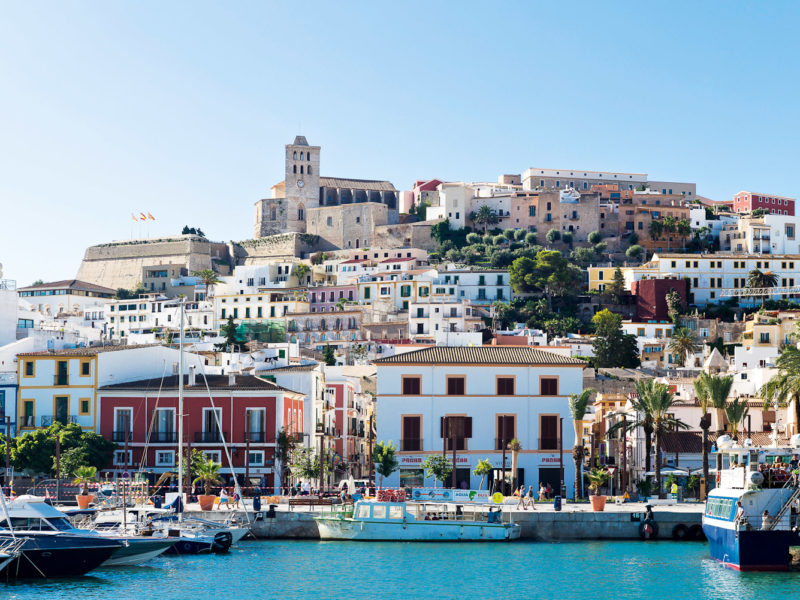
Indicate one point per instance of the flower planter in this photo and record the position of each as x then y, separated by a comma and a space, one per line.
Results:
206, 502
84, 500
598, 503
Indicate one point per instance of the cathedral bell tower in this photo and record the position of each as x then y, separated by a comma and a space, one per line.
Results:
301, 182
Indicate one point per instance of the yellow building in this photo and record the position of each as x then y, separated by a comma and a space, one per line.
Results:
600, 277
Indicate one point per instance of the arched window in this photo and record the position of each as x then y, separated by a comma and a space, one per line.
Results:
301, 213
301, 155
294, 168
301, 169
308, 156
357, 244
308, 326
294, 155
309, 169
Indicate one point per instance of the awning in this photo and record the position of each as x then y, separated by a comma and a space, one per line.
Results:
670, 471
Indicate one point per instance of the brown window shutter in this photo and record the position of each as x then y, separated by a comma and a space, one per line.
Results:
468, 428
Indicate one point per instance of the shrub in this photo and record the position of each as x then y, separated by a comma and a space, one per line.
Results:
553, 236
594, 237
635, 252
566, 237
473, 238
530, 238
519, 234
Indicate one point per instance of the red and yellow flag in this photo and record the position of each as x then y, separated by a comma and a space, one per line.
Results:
144, 217
151, 217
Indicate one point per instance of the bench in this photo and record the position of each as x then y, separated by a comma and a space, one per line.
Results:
310, 501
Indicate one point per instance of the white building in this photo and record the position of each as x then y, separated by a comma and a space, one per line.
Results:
68, 296
427, 319
478, 286
491, 394
8, 311
579, 179
154, 313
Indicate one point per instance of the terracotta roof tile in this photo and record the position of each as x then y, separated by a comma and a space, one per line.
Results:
478, 355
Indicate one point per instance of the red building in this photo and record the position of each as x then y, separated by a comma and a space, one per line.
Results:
775, 205
345, 418
142, 416
651, 297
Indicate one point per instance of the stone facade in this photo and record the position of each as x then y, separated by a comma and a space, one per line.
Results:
348, 225
119, 264
262, 250
406, 235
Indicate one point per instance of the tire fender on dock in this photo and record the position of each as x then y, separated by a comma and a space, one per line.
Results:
680, 532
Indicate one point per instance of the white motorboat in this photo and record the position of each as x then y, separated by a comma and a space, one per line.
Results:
423, 522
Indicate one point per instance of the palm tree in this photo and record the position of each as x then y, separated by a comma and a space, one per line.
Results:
301, 270
515, 446
736, 412
783, 389
208, 473
712, 392
642, 419
659, 401
385, 457
655, 229
482, 469
761, 279
684, 343
84, 476
485, 216
684, 229
669, 224
208, 278
578, 404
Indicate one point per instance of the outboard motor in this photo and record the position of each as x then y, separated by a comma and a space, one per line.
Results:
222, 541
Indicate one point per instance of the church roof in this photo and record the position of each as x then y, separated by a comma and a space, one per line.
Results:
300, 140
357, 184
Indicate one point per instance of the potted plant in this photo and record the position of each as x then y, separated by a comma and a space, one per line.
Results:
84, 476
597, 478
207, 472
644, 486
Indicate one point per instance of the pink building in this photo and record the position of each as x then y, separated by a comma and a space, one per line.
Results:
775, 205
324, 299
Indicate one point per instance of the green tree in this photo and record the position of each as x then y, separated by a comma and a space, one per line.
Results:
230, 332
501, 258
38, 282
669, 224
420, 210
207, 473
474, 238
684, 229
519, 235
553, 236
635, 252
761, 279
566, 237
34, 450
530, 238
597, 479
84, 476
328, 356
284, 445
454, 255
482, 469
684, 344
306, 464
674, 305
655, 229
508, 234
301, 271
485, 216
617, 286
578, 405
594, 237
600, 249
208, 278
736, 412
783, 388
384, 457
515, 446
612, 346
582, 256
438, 467
633, 238
712, 392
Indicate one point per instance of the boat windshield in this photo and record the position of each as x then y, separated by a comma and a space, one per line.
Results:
37, 524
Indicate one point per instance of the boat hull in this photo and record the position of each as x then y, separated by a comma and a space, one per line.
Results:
59, 556
754, 550
138, 551
440, 531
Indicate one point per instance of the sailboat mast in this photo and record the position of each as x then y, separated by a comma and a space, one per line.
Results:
180, 412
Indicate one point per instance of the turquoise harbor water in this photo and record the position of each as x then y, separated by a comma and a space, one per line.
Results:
521, 570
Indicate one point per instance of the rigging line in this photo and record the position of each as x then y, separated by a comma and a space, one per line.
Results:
216, 413
152, 419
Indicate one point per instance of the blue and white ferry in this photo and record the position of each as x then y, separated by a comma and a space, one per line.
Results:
744, 537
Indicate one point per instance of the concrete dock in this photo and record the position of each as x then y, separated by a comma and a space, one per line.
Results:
573, 522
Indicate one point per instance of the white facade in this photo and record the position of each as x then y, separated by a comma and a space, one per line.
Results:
249, 279
427, 319
479, 287
8, 312
531, 405
454, 204
140, 315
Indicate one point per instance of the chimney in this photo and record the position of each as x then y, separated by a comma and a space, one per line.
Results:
231, 379
192, 379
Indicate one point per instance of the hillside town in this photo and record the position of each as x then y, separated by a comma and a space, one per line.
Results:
452, 318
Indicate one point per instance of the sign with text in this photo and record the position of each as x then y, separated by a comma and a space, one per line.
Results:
448, 495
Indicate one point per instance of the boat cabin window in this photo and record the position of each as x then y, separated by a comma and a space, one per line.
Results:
36, 524
363, 511
721, 508
395, 512
378, 511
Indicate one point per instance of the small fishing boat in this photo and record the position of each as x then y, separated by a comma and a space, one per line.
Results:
748, 518
422, 522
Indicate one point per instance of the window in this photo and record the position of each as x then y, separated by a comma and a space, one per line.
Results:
165, 458
213, 455
505, 386
86, 368
29, 368
411, 433
548, 432
548, 386
456, 385
455, 428
640, 331
84, 406
411, 385
28, 413
330, 221
255, 458
121, 460
505, 430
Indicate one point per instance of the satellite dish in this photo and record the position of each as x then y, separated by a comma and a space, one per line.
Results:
724, 441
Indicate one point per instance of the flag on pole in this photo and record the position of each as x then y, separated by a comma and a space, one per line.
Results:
151, 217
144, 217
133, 216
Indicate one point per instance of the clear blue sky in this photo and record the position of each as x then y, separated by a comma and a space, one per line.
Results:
182, 108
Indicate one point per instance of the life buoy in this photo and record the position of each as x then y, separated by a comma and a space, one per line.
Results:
680, 532
648, 530
696, 533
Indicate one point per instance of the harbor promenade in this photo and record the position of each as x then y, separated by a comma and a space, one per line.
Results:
573, 522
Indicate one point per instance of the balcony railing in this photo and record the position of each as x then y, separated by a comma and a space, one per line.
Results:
410, 445
548, 443
254, 437
121, 436
163, 437
48, 420
60, 380
27, 421
208, 437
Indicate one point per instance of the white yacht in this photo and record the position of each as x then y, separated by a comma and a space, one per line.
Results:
424, 522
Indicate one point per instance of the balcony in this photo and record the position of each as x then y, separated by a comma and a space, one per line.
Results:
209, 437
548, 443
410, 445
48, 420
122, 436
60, 380
254, 437
163, 437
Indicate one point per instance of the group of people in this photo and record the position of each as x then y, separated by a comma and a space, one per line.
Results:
228, 500
527, 498
780, 472
741, 518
